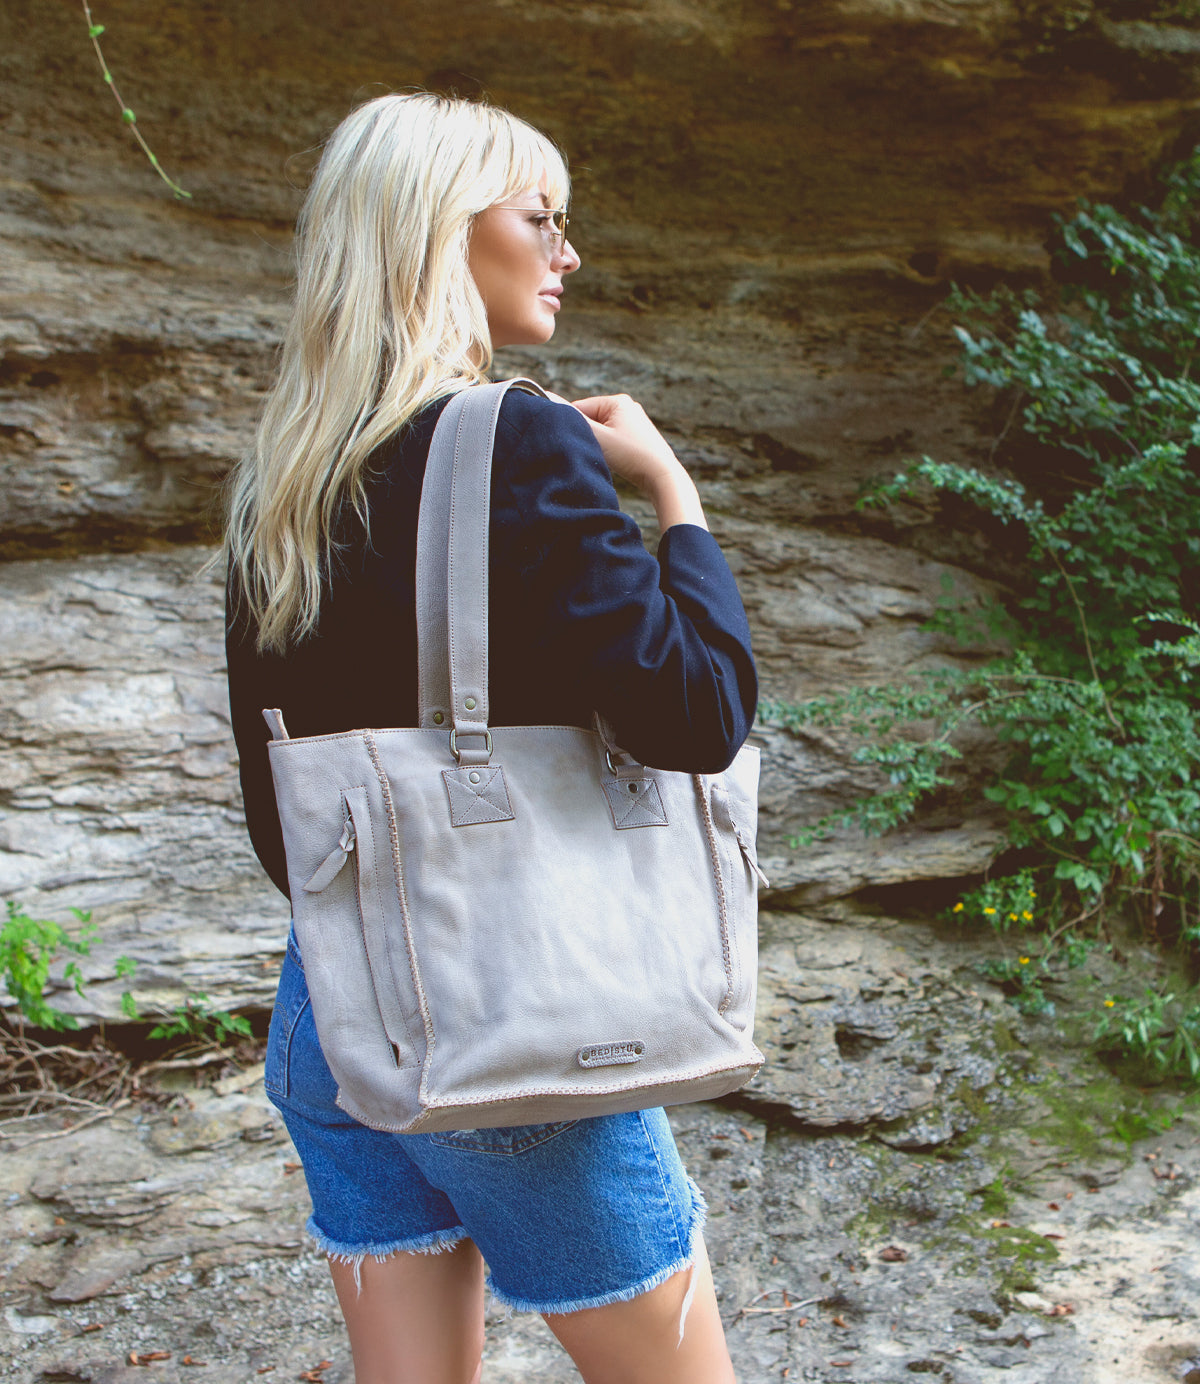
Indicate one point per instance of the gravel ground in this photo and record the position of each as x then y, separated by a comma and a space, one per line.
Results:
1034, 1246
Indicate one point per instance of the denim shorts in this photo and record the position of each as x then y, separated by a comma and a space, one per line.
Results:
568, 1215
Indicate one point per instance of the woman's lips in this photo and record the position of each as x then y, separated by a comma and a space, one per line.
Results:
551, 297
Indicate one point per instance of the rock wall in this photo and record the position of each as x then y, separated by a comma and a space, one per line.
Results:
771, 200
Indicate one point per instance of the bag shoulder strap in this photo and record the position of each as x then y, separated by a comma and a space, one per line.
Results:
452, 567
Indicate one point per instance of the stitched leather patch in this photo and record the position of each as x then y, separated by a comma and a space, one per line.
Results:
611, 1054
634, 803
477, 794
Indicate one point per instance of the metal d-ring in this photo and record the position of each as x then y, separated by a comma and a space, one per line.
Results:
487, 738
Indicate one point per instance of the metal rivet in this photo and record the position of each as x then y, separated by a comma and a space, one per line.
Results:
474, 776
438, 718
633, 788
470, 703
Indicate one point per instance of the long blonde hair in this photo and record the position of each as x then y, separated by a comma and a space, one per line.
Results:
386, 318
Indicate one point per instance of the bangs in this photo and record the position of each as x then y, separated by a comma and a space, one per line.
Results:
531, 153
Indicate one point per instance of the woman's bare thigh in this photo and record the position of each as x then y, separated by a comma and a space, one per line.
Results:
637, 1342
417, 1318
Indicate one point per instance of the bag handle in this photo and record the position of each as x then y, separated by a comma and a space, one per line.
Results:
452, 569
452, 577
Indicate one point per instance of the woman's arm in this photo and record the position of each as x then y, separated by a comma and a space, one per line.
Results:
661, 647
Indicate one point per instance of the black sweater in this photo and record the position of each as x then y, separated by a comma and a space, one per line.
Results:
582, 617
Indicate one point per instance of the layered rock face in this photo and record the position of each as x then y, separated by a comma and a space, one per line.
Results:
771, 199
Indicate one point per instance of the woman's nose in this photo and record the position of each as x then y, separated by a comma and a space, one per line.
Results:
567, 259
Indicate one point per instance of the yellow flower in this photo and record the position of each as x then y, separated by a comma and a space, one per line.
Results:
958, 908
1027, 916
1012, 917
989, 911
1108, 1004
1024, 960
1033, 893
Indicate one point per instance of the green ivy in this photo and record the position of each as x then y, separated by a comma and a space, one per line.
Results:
1097, 703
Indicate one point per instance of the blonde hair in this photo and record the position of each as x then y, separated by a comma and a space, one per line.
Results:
386, 319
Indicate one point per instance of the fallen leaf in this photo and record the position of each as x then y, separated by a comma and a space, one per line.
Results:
93, 1326
841, 1364
746, 1134
1054, 1206
839, 1321
1062, 1309
1054, 1237
1070, 1195
148, 1357
187, 1360
893, 1254
289, 1168
999, 1225
787, 1302
264, 1369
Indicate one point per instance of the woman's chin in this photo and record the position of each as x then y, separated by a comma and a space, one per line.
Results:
528, 334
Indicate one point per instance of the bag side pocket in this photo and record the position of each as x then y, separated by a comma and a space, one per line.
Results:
740, 876
380, 941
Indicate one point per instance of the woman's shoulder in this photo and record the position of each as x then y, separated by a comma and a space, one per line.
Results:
523, 414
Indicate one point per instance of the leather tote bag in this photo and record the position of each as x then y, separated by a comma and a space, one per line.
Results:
511, 925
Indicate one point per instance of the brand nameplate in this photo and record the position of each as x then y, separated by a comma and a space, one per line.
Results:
611, 1054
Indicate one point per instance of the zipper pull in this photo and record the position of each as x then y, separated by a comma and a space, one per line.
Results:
751, 858
331, 866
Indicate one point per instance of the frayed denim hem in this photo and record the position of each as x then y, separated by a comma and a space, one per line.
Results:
435, 1242
646, 1285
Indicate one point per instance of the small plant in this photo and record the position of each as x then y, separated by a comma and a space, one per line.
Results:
127, 113
1131, 1125
1157, 1028
30, 946
197, 1022
1009, 903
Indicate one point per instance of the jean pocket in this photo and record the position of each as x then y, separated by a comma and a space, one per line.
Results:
291, 1001
506, 1140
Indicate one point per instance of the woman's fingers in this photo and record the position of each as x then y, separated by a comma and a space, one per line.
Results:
635, 450
603, 408
632, 445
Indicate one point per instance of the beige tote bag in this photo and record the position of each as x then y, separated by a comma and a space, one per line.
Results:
511, 925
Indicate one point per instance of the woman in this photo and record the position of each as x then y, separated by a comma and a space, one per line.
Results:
435, 231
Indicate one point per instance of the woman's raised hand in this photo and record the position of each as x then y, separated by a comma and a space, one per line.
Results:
636, 451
